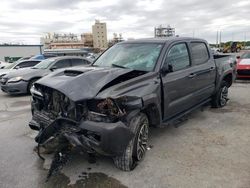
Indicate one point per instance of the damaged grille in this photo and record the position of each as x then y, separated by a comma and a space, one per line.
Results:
54, 104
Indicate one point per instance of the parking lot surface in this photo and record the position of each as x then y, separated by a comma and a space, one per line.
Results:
210, 149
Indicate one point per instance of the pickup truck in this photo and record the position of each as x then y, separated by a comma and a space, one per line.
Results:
107, 107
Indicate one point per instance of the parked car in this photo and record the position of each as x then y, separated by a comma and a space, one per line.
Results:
3, 64
21, 81
17, 66
107, 108
243, 65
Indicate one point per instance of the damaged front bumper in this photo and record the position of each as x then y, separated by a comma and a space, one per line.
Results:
105, 138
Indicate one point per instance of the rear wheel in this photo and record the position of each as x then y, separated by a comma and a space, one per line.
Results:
221, 97
137, 147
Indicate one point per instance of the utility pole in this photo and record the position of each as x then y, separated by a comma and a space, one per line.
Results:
217, 36
220, 40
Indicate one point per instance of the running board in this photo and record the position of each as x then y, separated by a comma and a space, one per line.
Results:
177, 120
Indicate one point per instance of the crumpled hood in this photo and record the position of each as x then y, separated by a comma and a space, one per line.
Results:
82, 83
27, 73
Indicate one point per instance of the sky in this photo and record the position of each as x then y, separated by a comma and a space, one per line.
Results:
25, 21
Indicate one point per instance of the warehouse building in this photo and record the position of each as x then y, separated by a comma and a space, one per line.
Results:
10, 53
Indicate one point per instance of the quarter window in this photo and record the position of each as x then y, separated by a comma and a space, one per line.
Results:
63, 63
77, 62
199, 53
178, 57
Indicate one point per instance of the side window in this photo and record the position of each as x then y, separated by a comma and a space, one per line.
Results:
199, 53
21, 65
62, 63
178, 57
27, 64
77, 62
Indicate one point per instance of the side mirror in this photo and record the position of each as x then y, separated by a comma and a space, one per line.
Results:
53, 68
17, 67
166, 69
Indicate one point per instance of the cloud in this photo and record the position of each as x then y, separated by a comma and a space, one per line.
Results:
27, 20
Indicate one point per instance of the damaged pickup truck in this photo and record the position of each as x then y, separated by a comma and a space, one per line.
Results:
107, 107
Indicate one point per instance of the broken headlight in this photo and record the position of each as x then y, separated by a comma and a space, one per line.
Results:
35, 91
109, 107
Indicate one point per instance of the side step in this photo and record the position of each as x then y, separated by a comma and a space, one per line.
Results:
177, 120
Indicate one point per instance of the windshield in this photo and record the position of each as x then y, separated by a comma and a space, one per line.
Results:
10, 66
134, 56
245, 56
44, 64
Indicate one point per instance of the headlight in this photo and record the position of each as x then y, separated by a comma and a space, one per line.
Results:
15, 79
33, 91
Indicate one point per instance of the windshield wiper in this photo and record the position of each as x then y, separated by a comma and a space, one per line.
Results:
119, 66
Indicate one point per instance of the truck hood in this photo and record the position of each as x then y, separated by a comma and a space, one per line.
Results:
86, 82
28, 73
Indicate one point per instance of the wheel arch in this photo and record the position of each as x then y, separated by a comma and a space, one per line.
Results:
153, 114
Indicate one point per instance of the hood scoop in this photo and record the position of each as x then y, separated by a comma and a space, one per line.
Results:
72, 73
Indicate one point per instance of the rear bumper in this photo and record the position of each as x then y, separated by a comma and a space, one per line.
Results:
15, 88
105, 138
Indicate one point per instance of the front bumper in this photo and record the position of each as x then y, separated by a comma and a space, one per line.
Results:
105, 138
15, 88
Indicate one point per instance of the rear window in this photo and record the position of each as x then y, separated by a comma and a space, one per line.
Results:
77, 62
200, 53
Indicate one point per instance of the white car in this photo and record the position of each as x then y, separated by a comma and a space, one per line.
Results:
3, 64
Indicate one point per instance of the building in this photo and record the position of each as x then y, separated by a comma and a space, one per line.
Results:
164, 31
99, 31
61, 41
87, 39
10, 53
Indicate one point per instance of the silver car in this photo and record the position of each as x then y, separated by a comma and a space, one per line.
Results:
21, 81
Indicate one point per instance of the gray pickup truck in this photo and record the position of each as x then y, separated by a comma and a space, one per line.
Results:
107, 107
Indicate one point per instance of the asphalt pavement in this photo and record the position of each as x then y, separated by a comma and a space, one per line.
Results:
211, 149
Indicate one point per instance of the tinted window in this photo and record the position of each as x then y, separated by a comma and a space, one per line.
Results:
62, 63
178, 57
27, 64
77, 62
199, 52
245, 56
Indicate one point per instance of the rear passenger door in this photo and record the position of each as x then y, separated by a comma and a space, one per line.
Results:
178, 85
204, 70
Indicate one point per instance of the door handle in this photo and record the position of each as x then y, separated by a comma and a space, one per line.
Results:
192, 75
212, 68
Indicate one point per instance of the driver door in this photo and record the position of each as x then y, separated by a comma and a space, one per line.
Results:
178, 85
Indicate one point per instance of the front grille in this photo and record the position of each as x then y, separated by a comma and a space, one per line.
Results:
4, 81
43, 118
243, 72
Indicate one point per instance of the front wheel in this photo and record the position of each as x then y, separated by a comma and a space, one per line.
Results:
137, 147
221, 97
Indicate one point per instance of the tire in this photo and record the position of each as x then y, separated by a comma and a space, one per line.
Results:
31, 82
238, 50
220, 99
137, 147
